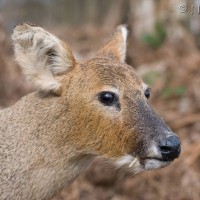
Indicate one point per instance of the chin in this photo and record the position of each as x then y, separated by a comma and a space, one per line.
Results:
136, 165
152, 163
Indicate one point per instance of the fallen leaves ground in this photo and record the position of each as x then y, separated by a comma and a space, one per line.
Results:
173, 72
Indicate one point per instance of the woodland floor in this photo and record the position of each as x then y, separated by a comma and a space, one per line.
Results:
173, 72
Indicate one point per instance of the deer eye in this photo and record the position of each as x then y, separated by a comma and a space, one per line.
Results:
147, 93
107, 98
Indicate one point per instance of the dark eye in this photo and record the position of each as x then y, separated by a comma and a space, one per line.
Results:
147, 93
107, 98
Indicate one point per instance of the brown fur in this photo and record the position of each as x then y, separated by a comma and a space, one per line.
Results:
51, 135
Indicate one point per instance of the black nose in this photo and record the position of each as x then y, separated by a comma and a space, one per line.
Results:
170, 148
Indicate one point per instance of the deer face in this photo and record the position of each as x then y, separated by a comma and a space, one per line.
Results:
107, 101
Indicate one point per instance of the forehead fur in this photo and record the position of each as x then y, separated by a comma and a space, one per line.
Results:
106, 71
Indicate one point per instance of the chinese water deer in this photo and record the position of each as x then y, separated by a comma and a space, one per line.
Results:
80, 110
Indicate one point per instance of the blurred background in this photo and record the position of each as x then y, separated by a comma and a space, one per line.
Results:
163, 47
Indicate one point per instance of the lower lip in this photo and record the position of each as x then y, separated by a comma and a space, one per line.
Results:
158, 159
154, 163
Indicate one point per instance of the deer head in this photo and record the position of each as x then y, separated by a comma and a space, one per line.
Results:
102, 104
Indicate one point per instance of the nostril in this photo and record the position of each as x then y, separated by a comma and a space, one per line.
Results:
170, 148
165, 148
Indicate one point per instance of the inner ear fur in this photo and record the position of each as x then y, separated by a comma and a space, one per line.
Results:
41, 56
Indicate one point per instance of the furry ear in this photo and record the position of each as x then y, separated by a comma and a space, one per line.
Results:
41, 56
115, 46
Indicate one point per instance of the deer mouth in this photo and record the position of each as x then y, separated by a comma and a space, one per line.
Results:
154, 163
148, 163
138, 164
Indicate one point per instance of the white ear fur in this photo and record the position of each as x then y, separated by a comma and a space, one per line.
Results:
115, 46
41, 56
124, 33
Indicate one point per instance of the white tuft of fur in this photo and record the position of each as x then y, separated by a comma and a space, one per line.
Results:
41, 56
130, 162
124, 160
155, 164
154, 152
124, 33
144, 86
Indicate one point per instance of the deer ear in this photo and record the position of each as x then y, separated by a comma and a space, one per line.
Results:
41, 56
115, 46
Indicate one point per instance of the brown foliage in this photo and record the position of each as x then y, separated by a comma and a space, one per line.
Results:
177, 64
12, 84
